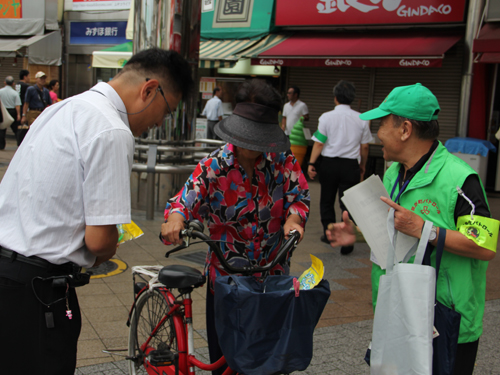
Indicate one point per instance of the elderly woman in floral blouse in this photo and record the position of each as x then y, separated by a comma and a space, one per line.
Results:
251, 191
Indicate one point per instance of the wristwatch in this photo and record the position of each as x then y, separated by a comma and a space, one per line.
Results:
311, 163
433, 234
24, 114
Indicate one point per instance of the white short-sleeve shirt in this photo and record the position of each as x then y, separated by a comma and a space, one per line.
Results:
72, 170
342, 132
213, 109
293, 114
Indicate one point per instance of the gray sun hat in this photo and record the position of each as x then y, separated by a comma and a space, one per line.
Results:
254, 127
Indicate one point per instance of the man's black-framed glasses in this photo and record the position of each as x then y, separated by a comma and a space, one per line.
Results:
163, 95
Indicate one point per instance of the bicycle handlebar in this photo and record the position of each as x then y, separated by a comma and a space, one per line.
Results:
195, 230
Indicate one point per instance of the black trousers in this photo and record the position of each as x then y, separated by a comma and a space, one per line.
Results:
335, 174
213, 341
27, 344
466, 358
210, 130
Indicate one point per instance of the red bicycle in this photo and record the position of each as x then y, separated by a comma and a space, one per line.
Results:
161, 323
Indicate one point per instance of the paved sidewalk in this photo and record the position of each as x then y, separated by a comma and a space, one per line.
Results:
342, 335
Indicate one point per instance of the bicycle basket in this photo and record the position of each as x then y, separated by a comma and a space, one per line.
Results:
263, 328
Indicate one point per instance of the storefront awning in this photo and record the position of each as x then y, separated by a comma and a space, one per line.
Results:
42, 49
488, 39
222, 53
382, 49
113, 57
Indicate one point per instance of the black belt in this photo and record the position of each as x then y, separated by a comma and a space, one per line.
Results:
69, 268
37, 109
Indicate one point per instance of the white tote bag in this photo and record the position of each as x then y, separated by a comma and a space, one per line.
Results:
404, 315
7, 118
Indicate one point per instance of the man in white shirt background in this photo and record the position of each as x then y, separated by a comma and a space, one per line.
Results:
12, 103
213, 112
293, 110
342, 140
66, 188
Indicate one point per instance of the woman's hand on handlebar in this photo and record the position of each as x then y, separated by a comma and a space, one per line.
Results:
293, 223
170, 231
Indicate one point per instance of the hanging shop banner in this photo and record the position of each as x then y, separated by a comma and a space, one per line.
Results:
236, 19
352, 63
11, 9
366, 12
100, 4
98, 32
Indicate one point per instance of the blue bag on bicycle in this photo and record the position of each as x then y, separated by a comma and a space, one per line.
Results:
263, 328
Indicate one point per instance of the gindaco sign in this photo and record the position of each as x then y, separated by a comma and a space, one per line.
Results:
366, 12
352, 63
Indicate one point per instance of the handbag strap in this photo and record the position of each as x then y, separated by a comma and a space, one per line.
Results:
422, 244
40, 94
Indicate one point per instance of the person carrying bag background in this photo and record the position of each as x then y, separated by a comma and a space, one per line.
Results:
427, 183
36, 100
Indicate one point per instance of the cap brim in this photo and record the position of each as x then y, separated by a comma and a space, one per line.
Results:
374, 114
252, 135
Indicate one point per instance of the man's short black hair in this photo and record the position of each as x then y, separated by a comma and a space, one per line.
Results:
23, 73
260, 92
428, 130
296, 90
160, 63
345, 92
217, 89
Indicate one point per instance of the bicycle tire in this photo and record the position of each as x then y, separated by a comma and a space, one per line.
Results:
149, 310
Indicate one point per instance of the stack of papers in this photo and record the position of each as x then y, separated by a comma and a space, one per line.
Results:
370, 214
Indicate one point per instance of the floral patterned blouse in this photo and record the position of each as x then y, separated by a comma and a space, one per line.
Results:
249, 215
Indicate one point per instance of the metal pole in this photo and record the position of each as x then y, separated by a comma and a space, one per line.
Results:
150, 198
473, 23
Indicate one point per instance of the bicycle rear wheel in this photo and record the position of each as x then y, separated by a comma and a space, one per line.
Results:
150, 309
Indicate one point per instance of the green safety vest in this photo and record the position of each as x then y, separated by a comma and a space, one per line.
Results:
432, 195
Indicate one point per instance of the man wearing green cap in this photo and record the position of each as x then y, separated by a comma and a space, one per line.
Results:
426, 182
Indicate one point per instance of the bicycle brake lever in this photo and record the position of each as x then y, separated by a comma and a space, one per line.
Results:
178, 248
184, 245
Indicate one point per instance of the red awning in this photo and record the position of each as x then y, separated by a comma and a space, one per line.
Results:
488, 39
489, 58
394, 49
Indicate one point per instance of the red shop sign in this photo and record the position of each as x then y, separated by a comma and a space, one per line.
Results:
367, 12
351, 63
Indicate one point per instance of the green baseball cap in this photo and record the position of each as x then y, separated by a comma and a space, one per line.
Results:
414, 102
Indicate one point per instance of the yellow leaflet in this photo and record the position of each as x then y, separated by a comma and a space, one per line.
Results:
128, 232
482, 230
313, 275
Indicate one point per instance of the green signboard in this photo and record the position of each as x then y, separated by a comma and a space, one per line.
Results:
236, 19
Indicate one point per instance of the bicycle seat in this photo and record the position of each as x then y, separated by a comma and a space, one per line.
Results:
179, 277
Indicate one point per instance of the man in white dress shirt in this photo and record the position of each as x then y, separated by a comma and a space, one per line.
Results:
213, 112
65, 190
342, 140
12, 103
293, 110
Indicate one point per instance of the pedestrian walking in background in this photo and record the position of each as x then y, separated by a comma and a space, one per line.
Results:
53, 89
12, 103
66, 188
36, 100
293, 110
23, 84
213, 112
342, 141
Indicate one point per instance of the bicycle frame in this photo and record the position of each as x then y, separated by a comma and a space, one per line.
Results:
183, 323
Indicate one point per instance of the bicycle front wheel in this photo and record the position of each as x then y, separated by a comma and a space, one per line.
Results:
146, 320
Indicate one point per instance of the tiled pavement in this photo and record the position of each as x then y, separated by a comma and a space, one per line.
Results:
343, 332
